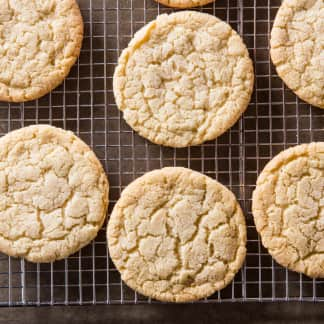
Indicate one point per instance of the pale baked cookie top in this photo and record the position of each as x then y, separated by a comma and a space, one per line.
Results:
185, 78
39, 43
53, 193
297, 48
177, 235
288, 208
184, 3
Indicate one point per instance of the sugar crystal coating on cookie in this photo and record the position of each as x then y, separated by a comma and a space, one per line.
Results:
288, 208
39, 43
185, 78
177, 235
53, 193
297, 48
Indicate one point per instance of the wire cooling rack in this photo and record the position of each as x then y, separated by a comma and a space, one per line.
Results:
84, 103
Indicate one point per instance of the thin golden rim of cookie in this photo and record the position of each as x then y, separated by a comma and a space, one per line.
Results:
176, 235
184, 4
288, 208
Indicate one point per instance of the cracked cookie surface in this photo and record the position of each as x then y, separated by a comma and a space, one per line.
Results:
297, 47
39, 43
177, 235
185, 78
184, 3
53, 193
288, 208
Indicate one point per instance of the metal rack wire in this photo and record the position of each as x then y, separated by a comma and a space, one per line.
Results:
84, 103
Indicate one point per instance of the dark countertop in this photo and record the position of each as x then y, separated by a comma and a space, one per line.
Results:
265, 313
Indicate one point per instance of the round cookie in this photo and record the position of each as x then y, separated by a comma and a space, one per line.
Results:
297, 42
185, 78
184, 3
177, 235
53, 193
288, 208
39, 43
